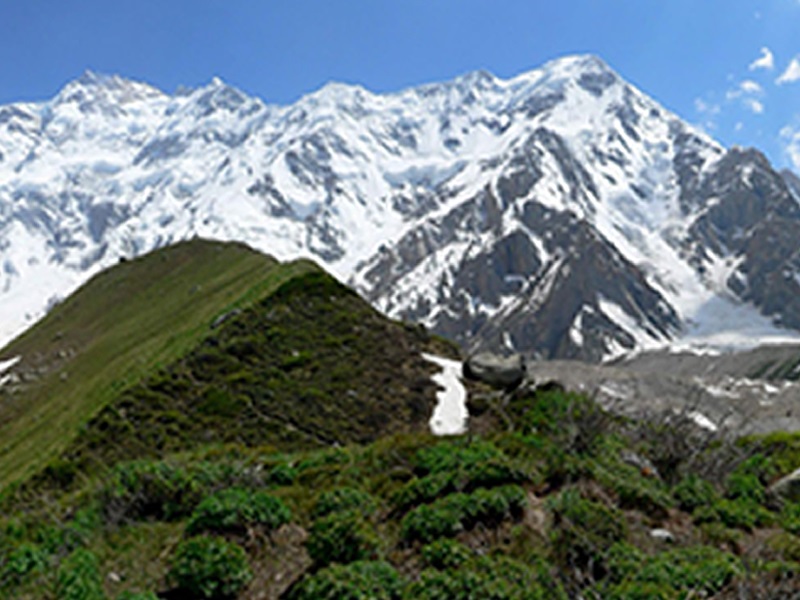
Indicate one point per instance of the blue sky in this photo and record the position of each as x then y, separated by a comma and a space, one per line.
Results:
700, 58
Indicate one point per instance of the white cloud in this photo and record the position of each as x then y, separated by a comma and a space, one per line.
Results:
745, 88
791, 135
746, 92
754, 105
765, 61
748, 86
705, 108
791, 74
739, 126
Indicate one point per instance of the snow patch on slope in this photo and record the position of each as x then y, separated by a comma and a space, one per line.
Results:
450, 415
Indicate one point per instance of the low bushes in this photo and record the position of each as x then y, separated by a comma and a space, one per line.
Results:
699, 569
343, 499
235, 510
451, 514
583, 532
362, 580
78, 577
495, 577
692, 492
208, 567
341, 537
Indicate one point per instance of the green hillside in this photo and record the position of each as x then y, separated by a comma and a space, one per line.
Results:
207, 423
113, 330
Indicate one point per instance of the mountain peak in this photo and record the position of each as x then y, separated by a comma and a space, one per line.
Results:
220, 95
92, 87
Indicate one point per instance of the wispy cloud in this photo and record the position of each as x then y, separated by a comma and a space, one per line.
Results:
791, 74
756, 106
748, 93
706, 108
748, 87
765, 61
791, 138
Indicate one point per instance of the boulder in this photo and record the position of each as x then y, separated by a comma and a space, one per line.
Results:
505, 372
662, 535
224, 317
646, 468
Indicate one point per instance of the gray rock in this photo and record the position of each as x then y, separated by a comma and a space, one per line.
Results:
224, 317
787, 488
495, 370
644, 465
662, 535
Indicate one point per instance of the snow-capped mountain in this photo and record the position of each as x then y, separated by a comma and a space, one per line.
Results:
561, 212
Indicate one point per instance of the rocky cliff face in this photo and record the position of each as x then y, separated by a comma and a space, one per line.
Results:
561, 212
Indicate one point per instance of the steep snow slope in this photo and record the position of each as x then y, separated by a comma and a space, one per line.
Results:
561, 211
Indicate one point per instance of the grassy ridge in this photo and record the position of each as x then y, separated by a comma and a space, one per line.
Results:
310, 364
116, 328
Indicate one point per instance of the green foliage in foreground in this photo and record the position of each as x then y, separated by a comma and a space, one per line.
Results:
79, 578
208, 567
457, 512
411, 517
700, 570
363, 580
235, 510
341, 537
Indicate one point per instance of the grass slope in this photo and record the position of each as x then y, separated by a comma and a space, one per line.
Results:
310, 364
114, 330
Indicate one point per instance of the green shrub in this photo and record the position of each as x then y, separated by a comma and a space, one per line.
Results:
569, 421
692, 492
424, 490
493, 473
739, 514
341, 537
637, 590
745, 486
362, 580
149, 490
451, 514
281, 475
491, 506
496, 578
779, 453
207, 567
633, 490
583, 532
22, 560
454, 455
623, 561
790, 517
453, 585
427, 523
78, 577
234, 510
343, 499
445, 554
137, 596
701, 569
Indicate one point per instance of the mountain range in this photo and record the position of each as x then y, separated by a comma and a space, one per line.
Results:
561, 213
